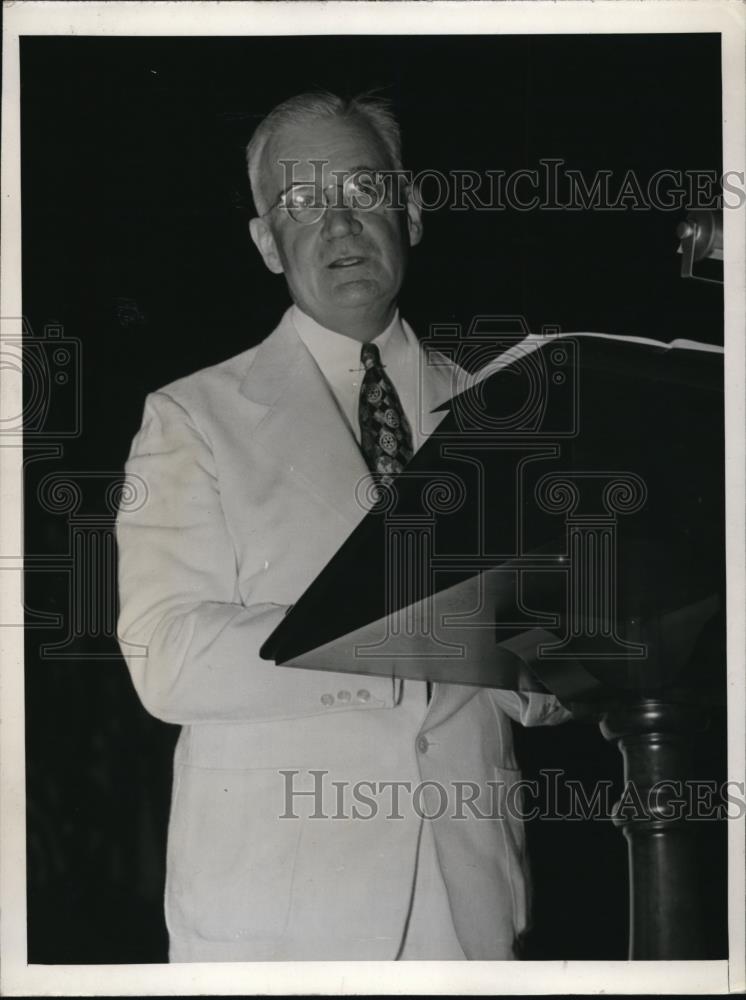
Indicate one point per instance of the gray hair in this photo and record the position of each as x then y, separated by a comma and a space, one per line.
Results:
372, 111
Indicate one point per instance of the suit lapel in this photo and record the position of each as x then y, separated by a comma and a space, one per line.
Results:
296, 418
299, 423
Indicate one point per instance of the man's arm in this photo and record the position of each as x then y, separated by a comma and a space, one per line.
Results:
198, 659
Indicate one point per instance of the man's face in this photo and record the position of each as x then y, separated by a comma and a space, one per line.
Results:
346, 269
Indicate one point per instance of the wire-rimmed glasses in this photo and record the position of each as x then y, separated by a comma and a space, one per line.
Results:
362, 190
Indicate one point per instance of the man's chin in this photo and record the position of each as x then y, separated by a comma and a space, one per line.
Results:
356, 292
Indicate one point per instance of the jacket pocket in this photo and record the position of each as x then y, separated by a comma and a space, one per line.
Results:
231, 857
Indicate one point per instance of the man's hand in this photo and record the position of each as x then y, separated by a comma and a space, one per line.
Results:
586, 711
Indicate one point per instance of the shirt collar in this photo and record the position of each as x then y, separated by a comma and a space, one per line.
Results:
334, 352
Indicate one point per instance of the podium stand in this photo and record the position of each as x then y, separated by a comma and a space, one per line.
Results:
561, 530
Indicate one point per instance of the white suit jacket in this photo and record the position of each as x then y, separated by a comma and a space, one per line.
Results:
249, 475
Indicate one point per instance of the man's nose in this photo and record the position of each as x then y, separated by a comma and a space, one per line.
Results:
341, 221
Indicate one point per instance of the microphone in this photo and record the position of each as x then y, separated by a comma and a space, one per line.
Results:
701, 236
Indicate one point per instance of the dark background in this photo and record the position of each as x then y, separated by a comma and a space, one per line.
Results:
135, 240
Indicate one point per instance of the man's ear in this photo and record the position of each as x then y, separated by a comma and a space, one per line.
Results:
414, 219
265, 243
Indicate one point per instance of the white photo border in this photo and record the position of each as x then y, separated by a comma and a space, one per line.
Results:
727, 17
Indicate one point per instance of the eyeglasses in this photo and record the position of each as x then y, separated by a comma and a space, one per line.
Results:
306, 203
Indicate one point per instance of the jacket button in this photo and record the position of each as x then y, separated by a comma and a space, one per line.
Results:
422, 744
343, 695
327, 699
363, 695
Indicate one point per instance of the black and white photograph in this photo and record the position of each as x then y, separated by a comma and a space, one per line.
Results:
373, 498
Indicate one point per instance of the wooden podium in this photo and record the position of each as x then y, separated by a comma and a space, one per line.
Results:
561, 530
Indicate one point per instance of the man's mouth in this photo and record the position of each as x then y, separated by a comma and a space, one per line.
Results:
347, 261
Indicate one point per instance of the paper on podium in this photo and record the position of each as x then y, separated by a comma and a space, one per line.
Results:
448, 636
465, 574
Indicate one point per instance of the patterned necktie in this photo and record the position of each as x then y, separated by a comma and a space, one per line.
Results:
386, 438
385, 435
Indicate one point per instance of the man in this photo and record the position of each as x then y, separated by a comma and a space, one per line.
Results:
250, 470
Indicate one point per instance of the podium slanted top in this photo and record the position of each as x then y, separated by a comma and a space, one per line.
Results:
469, 559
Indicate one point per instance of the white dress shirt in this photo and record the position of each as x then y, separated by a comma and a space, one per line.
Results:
338, 358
